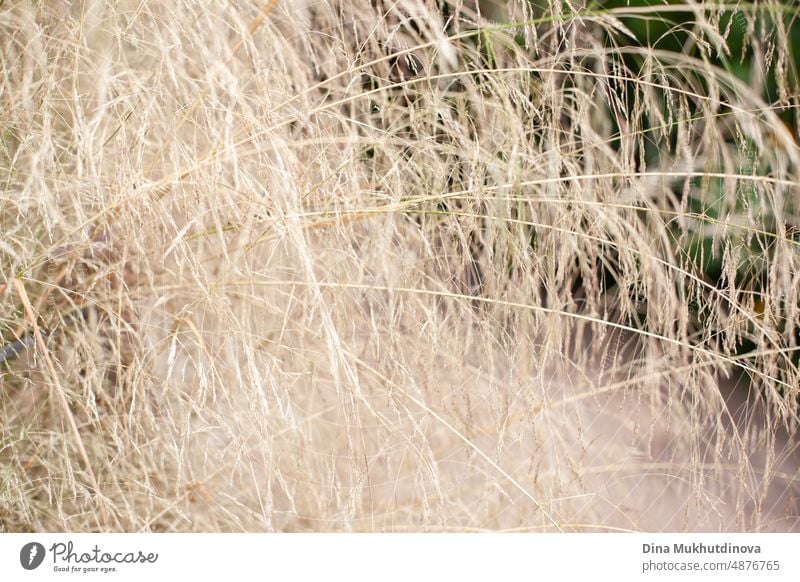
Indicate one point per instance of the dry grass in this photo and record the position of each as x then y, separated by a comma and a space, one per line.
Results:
371, 265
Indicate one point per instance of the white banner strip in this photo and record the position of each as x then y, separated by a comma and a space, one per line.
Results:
400, 557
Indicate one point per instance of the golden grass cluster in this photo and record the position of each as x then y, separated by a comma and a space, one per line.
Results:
393, 265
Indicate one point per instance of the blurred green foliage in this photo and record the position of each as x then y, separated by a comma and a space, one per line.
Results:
761, 47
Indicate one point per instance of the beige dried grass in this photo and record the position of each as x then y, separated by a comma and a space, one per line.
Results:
364, 266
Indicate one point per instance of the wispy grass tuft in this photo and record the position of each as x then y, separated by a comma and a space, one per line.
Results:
388, 266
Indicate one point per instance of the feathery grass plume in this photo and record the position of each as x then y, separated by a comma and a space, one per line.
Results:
387, 266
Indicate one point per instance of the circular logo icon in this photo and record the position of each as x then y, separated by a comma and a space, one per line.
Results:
31, 555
